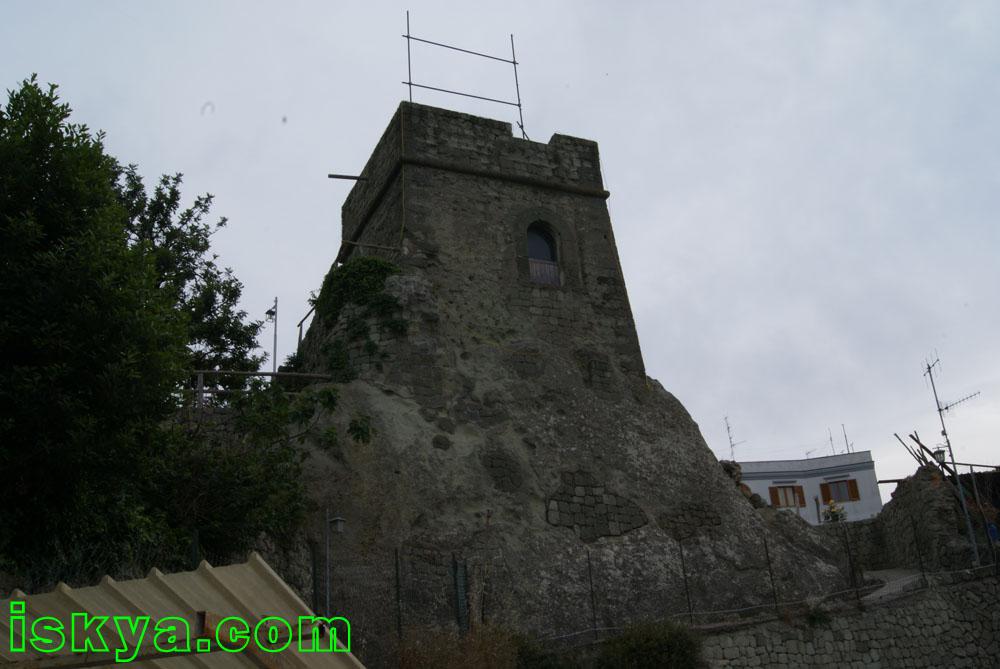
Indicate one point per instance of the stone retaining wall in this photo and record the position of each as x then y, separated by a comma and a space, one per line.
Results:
921, 527
945, 626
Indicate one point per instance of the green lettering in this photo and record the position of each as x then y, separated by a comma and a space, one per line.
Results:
238, 631
17, 622
88, 628
137, 634
175, 642
272, 635
316, 633
47, 644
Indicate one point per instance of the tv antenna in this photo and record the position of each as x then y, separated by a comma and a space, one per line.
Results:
732, 446
941, 408
513, 61
848, 444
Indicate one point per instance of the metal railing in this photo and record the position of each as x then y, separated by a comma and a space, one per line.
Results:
544, 271
200, 390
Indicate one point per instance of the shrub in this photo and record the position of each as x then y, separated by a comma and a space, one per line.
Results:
483, 647
654, 646
834, 513
816, 615
531, 654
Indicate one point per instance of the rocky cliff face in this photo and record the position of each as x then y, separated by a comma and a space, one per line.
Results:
523, 463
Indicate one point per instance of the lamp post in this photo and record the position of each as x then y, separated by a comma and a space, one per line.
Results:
272, 316
338, 527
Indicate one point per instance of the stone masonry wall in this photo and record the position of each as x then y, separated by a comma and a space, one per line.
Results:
920, 527
952, 626
450, 195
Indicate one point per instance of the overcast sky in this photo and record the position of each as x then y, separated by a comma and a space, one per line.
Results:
804, 194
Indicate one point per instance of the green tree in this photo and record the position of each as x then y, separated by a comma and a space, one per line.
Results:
242, 473
219, 335
108, 298
92, 348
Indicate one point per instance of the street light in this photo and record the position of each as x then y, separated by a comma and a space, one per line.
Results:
940, 455
272, 317
338, 527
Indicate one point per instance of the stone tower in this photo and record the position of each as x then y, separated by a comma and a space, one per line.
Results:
518, 435
456, 199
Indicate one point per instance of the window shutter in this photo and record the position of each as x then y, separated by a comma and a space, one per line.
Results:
852, 487
824, 492
801, 495
774, 496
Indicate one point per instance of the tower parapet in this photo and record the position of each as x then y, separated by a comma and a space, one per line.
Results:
513, 235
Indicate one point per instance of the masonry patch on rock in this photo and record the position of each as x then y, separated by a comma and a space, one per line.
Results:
591, 510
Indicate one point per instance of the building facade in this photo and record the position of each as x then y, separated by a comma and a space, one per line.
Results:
806, 487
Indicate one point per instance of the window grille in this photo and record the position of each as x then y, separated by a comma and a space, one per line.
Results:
544, 271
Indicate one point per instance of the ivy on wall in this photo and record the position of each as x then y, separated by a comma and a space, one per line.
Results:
360, 282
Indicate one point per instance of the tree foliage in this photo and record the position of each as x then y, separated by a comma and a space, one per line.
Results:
219, 336
92, 350
236, 471
108, 298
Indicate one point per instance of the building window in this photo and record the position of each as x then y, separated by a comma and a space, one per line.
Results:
840, 491
790, 496
542, 260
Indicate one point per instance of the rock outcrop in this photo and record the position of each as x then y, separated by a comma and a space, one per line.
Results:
519, 441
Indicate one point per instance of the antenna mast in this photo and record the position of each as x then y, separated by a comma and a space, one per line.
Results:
732, 446
941, 408
929, 372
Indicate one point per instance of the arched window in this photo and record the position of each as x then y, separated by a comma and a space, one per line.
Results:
542, 259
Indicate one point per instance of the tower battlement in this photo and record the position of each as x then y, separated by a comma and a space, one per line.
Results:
513, 234
419, 135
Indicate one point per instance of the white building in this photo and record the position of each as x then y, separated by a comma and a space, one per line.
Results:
807, 486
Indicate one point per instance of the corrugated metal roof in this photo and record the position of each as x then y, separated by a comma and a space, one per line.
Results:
203, 599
